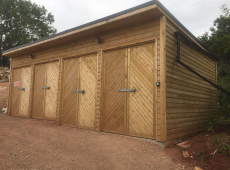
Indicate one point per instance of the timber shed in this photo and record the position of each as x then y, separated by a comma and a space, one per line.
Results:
129, 73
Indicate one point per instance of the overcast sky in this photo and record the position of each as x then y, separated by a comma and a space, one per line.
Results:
196, 15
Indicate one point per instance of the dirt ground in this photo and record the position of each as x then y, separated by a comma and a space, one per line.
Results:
36, 144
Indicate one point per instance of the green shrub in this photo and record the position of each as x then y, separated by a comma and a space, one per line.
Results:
223, 142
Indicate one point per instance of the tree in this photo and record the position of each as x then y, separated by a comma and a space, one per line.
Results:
21, 22
218, 41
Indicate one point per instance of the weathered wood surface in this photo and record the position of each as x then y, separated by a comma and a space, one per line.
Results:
190, 100
70, 99
141, 114
45, 100
15, 100
78, 109
88, 77
25, 94
114, 116
130, 113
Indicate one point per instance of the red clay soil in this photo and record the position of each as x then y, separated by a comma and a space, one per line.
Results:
201, 151
36, 144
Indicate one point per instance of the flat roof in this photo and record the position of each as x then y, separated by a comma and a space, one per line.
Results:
113, 16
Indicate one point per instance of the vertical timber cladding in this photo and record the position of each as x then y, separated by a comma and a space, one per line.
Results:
45, 100
130, 113
78, 108
21, 91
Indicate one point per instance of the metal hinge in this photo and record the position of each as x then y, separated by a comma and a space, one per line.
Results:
126, 90
21, 88
45, 87
79, 91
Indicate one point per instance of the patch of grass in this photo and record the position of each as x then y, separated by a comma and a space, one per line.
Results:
182, 149
223, 142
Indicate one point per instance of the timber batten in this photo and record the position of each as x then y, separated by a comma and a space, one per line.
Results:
137, 49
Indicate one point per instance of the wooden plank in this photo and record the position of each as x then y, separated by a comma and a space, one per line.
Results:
52, 75
98, 93
31, 90
61, 92
182, 101
39, 93
114, 101
187, 115
70, 99
155, 103
16, 77
127, 85
163, 77
25, 94
88, 80
10, 88
140, 102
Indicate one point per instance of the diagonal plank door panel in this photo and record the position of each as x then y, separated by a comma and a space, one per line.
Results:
25, 94
88, 77
15, 100
70, 98
39, 93
52, 74
141, 78
114, 115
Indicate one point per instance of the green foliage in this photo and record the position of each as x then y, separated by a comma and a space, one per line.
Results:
218, 41
223, 142
21, 22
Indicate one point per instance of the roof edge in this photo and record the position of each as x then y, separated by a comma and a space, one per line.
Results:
87, 24
182, 26
113, 16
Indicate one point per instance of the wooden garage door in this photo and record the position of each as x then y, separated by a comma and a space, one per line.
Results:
140, 102
78, 109
45, 100
115, 77
21, 92
125, 112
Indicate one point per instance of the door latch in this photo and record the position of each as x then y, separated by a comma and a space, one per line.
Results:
126, 90
79, 91
21, 88
45, 87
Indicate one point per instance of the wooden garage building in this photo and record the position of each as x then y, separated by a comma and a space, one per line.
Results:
118, 74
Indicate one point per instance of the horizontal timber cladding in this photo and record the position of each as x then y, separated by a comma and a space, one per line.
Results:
20, 92
189, 99
78, 108
45, 91
130, 113
140, 32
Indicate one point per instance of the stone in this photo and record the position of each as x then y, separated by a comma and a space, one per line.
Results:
185, 154
184, 144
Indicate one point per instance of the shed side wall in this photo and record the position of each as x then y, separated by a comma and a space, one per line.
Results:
189, 99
